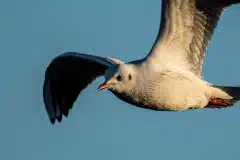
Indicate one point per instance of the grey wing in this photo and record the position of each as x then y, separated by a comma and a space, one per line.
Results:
185, 30
66, 76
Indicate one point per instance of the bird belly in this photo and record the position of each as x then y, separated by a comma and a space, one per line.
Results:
167, 98
176, 93
172, 91
169, 92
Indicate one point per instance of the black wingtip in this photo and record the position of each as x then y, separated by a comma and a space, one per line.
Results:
65, 113
59, 118
52, 120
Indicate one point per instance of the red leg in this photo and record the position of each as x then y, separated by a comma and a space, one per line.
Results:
219, 102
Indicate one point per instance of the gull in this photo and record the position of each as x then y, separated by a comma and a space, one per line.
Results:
169, 78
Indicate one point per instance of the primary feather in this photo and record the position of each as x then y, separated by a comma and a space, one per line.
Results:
66, 76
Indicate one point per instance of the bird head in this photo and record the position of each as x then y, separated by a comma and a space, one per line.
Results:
119, 78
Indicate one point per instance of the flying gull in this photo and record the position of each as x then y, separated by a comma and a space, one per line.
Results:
169, 78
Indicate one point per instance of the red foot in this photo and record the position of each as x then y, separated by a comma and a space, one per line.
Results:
219, 102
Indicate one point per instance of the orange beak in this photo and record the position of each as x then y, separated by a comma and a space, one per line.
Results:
104, 85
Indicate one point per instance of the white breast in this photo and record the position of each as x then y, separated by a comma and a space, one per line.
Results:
173, 89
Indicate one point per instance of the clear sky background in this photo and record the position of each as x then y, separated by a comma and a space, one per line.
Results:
101, 127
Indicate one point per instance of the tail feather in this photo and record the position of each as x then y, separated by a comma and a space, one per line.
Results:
221, 3
221, 99
230, 2
232, 91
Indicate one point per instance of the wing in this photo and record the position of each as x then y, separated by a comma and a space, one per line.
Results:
66, 76
185, 30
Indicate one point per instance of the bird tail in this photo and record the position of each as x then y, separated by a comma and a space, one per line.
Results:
221, 96
232, 1
225, 3
233, 91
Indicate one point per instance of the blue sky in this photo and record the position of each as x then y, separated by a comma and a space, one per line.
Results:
100, 126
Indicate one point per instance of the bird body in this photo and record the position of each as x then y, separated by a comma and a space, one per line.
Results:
169, 89
169, 78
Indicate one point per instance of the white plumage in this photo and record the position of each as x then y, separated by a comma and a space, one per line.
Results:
169, 78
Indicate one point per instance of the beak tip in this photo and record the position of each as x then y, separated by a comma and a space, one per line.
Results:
103, 86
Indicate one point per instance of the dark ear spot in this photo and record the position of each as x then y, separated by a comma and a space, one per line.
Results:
129, 77
119, 78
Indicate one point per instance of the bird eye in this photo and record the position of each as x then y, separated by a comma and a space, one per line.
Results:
119, 78
129, 77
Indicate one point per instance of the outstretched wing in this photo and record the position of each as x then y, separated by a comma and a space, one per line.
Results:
66, 76
186, 28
